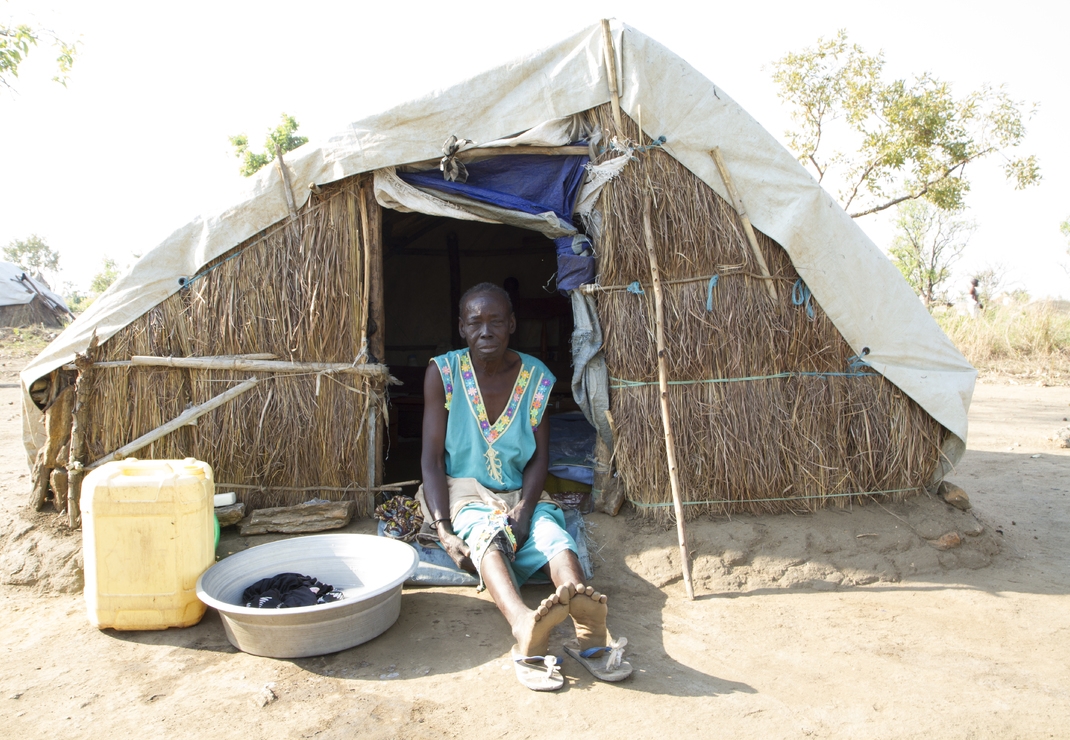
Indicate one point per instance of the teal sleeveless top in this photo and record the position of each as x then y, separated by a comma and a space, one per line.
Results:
494, 453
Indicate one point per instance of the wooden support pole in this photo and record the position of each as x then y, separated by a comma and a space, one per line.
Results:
737, 202
287, 187
365, 261
77, 455
611, 74
375, 308
261, 366
371, 447
178, 422
371, 215
663, 384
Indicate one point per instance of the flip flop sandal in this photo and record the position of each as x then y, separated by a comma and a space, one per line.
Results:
538, 672
604, 663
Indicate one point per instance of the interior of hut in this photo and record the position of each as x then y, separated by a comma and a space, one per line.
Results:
428, 262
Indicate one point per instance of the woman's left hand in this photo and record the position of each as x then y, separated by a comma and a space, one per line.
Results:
520, 522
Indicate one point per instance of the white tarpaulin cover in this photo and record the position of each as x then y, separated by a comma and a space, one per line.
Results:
860, 290
17, 288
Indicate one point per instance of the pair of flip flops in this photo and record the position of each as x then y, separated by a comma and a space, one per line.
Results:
543, 673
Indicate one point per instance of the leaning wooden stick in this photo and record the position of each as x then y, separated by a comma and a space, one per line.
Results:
179, 421
663, 383
611, 74
291, 205
737, 201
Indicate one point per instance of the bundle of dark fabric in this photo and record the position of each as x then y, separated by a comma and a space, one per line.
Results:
289, 590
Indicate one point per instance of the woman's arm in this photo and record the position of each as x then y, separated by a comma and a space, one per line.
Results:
433, 467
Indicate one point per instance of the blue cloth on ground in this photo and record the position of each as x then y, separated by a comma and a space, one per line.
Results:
572, 447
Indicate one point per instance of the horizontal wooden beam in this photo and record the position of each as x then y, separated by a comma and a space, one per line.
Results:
309, 489
261, 366
128, 363
502, 151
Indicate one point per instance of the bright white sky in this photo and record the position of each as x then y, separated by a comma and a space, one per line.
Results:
137, 144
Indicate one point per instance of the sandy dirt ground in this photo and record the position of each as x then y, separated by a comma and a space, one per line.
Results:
845, 623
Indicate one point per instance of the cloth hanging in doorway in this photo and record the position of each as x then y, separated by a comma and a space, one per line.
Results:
541, 186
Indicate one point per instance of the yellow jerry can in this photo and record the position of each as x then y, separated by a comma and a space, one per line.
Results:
148, 533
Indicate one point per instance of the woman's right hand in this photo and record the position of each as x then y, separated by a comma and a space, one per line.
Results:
458, 550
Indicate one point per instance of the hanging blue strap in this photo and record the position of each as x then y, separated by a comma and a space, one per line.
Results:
709, 293
636, 289
800, 296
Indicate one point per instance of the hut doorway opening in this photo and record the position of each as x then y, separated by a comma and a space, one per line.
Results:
428, 262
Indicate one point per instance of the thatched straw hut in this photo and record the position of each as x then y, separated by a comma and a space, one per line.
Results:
802, 368
27, 301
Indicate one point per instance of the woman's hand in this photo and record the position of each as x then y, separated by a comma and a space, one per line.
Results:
520, 522
458, 551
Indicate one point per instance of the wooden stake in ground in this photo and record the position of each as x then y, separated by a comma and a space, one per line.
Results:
663, 387
748, 229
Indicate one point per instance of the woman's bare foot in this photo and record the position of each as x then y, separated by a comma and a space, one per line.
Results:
532, 630
588, 610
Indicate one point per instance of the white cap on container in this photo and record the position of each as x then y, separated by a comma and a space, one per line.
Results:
225, 499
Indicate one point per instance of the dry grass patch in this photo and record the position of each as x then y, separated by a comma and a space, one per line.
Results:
1027, 341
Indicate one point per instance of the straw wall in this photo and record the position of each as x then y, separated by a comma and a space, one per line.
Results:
295, 291
28, 314
809, 439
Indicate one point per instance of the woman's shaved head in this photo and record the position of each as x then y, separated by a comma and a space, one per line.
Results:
489, 289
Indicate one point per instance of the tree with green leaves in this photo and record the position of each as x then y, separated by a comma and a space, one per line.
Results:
1065, 228
103, 279
928, 241
283, 136
32, 254
990, 283
906, 139
77, 300
16, 42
